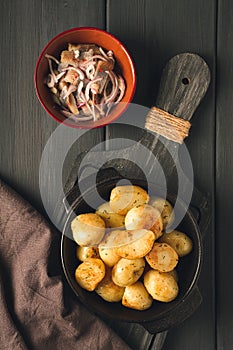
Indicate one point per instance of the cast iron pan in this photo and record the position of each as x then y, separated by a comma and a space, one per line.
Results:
177, 97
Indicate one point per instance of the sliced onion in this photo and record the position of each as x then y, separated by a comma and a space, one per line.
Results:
52, 71
83, 98
95, 57
121, 86
90, 71
58, 76
87, 90
52, 58
79, 89
50, 81
111, 97
103, 53
71, 88
62, 95
82, 104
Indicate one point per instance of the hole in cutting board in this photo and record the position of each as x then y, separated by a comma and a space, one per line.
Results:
185, 81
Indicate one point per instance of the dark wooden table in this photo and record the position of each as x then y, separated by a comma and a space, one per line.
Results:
153, 31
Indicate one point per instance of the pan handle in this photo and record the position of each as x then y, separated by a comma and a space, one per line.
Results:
184, 311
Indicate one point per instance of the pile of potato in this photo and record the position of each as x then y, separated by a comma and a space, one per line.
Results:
124, 252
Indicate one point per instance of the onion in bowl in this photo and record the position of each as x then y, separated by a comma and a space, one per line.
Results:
84, 82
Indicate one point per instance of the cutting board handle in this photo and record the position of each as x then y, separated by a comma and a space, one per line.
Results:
184, 82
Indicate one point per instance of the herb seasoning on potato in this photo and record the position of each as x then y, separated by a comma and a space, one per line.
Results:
126, 255
179, 241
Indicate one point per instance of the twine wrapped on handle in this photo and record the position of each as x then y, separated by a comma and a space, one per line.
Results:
167, 125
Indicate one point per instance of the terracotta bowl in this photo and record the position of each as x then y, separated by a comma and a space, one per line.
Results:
124, 65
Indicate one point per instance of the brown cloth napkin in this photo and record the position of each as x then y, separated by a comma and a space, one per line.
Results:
34, 310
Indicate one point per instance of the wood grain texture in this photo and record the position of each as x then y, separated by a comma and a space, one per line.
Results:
26, 27
184, 82
224, 177
154, 31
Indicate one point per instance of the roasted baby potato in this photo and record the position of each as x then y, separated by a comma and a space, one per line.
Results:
165, 208
108, 290
162, 257
88, 229
84, 253
111, 219
89, 273
127, 272
141, 243
126, 255
178, 241
136, 297
144, 216
107, 250
109, 256
161, 285
124, 198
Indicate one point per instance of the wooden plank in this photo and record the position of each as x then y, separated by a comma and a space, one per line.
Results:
153, 32
224, 178
26, 27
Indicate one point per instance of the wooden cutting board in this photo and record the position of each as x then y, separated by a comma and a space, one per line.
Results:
184, 82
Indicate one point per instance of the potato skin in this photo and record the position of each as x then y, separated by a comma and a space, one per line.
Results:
111, 219
165, 208
139, 247
127, 272
84, 253
136, 297
89, 273
135, 262
179, 241
144, 216
88, 229
124, 198
108, 290
109, 256
161, 286
162, 257
107, 249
